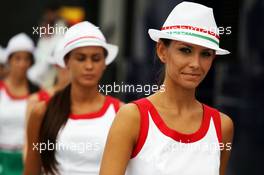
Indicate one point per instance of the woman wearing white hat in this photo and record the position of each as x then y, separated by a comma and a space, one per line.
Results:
171, 132
14, 91
76, 119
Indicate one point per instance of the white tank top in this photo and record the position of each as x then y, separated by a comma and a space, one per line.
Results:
12, 119
83, 139
163, 151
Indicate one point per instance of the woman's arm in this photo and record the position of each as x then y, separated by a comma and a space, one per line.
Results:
227, 137
33, 162
121, 140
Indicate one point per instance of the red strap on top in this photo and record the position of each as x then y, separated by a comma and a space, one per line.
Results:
217, 122
43, 96
115, 102
142, 105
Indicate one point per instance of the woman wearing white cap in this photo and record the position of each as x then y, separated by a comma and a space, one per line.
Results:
171, 132
14, 91
62, 80
76, 119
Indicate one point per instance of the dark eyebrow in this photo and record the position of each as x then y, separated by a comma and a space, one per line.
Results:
186, 45
78, 54
189, 46
96, 54
208, 50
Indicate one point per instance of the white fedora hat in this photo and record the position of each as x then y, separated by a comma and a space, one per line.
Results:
192, 23
86, 34
19, 42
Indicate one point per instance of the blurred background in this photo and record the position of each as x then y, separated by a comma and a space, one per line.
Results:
235, 84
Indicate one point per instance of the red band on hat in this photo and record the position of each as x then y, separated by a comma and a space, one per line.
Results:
83, 37
191, 28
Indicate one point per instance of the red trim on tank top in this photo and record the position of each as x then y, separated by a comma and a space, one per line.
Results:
145, 107
3, 86
178, 136
217, 123
144, 126
43, 96
115, 102
100, 113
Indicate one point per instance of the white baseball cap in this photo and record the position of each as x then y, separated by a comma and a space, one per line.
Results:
19, 42
192, 23
85, 34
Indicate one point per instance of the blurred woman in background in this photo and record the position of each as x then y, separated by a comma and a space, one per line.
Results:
73, 125
15, 89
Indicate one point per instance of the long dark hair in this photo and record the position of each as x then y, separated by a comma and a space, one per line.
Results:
55, 117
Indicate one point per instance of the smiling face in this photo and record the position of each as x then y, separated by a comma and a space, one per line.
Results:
86, 65
186, 64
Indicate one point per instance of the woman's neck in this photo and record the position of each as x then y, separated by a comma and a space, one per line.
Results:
14, 81
81, 94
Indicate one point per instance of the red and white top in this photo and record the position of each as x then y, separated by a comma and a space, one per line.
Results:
81, 142
12, 119
164, 151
